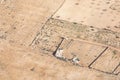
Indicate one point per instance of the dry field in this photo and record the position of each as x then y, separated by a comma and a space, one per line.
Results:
32, 30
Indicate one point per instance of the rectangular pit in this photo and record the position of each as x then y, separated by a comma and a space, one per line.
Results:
86, 52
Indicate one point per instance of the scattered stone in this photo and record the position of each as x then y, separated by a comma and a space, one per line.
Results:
75, 60
59, 53
32, 69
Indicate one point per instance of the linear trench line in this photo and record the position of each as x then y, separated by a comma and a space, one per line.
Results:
116, 68
62, 39
97, 57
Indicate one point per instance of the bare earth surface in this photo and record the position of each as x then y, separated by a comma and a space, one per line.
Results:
20, 20
98, 13
17, 63
32, 30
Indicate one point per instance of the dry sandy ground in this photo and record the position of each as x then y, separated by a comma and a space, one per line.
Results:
21, 63
27, 36
97, 13
21, 20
